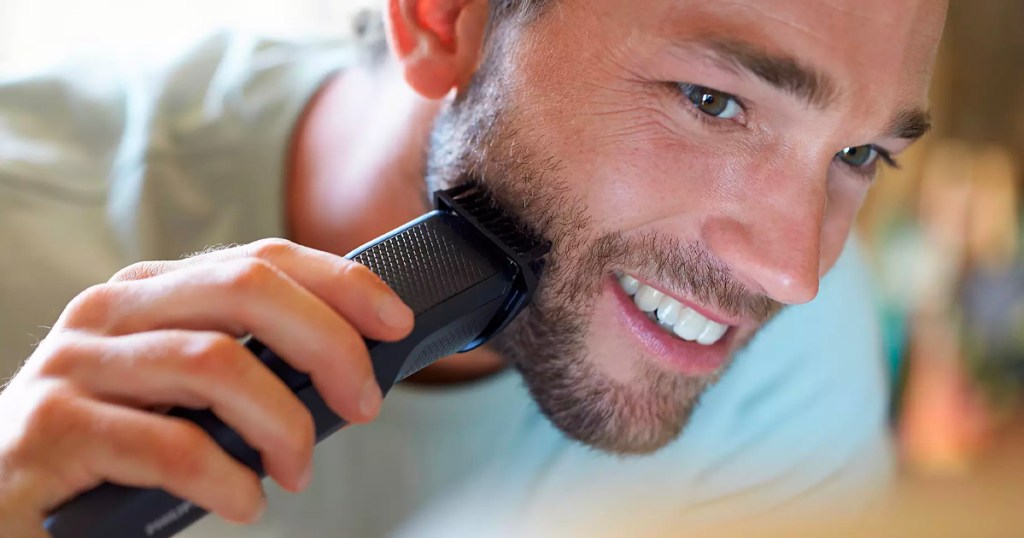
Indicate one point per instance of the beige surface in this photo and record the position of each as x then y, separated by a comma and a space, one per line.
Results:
984, 500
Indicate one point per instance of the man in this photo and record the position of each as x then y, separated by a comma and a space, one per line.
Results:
697, 166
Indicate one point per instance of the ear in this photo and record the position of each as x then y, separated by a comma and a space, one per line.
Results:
437, 42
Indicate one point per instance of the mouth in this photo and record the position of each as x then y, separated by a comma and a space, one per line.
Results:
682, 334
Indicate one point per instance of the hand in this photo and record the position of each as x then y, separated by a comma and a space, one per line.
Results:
162, 334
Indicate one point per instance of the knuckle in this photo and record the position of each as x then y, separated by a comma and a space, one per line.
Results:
214, 355
300, 435
139, 271
57, 355
273, 248
252, 274
356, 273
349, 339
55, 413
181, 451
91, 306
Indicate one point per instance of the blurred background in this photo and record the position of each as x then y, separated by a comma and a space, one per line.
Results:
39, 32
944, 232
945, 237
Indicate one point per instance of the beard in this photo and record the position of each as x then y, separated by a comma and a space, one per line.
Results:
479, 136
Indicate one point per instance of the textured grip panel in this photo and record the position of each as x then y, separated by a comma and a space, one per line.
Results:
443, 343
430, 262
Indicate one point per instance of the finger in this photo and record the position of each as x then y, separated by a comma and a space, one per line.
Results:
350, 288
246, 296
104, 442
198, 370
347, 286
23, 526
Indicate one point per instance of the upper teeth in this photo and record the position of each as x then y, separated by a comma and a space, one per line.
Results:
671, 315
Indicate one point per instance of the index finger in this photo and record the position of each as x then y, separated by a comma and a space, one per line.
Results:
350, 288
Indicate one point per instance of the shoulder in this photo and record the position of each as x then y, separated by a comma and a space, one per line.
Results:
64, 128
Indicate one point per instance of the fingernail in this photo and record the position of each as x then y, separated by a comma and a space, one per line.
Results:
394, 312
369, 401
260, 510
307, 478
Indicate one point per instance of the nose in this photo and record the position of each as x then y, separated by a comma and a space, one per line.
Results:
771, 241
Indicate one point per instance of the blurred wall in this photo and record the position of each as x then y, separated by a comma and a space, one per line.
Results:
983, 51
977, 99
34, 32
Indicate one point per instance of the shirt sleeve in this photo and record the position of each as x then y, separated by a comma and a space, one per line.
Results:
103, 165
217, 131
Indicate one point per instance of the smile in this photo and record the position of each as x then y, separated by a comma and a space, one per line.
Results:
670, 315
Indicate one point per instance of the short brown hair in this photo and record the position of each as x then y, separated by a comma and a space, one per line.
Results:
368, 25
516, 9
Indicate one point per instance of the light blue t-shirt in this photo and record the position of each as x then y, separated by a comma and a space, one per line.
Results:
101, 167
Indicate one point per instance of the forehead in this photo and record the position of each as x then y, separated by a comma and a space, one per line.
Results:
859, 43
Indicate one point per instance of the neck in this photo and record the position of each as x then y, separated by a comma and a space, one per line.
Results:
356, 159
356, 172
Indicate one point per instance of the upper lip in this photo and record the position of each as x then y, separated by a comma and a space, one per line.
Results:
707, 312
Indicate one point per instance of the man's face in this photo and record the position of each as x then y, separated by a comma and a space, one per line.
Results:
697, 165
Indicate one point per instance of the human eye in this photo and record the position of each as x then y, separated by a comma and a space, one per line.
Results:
863, 160
711, 102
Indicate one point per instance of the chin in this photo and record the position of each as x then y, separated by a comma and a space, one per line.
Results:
617, 380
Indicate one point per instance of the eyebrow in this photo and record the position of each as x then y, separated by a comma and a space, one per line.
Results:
781, 71
806, 83
911, 124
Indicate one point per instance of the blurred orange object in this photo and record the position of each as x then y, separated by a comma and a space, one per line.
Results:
945, 421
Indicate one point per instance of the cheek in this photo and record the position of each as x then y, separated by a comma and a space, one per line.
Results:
845, 197
638, 166
621, 146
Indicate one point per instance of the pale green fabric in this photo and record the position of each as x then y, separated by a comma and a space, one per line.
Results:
101, 167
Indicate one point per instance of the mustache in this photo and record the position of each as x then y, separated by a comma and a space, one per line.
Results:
685, 267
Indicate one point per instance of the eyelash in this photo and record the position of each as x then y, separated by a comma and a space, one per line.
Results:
870, 172
680, 90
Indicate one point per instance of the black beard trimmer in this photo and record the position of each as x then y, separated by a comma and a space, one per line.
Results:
466, 269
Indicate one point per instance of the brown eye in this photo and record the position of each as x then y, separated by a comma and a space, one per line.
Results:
712, 102
858, 156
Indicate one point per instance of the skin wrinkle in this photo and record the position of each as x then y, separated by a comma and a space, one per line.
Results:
643, 132
652, 99
750, 145
660, 130
623, 66
652, 121
751, 106
744, 10
783, 72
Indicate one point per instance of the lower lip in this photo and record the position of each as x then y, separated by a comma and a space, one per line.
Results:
687, 358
